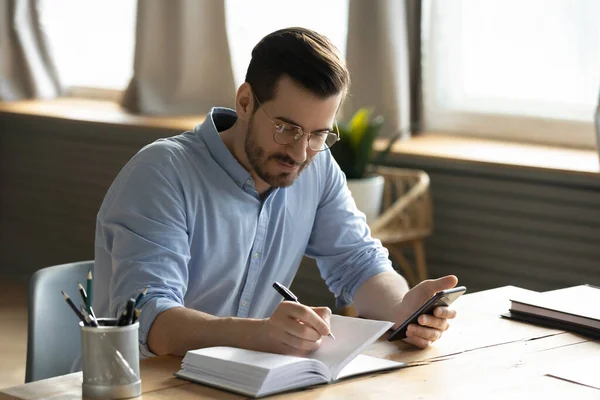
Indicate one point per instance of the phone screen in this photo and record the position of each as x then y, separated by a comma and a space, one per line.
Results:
443, 298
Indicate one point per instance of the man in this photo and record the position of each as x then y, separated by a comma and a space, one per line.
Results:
209, 219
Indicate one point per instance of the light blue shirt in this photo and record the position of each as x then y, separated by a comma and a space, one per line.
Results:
183, 218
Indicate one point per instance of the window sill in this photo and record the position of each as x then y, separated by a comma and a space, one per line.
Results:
432, 145
96, 111
493, 152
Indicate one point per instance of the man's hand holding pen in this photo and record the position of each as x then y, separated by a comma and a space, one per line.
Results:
294, 328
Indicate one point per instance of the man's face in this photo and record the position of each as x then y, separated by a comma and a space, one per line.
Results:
279, 165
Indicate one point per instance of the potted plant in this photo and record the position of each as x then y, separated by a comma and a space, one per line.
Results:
354, 155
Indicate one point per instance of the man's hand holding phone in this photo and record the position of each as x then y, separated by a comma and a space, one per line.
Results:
425, 329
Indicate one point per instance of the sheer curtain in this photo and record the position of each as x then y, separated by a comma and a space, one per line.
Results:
383, 57
512, 69
26, 68
191, 54
182, 64
94, 57
250, 21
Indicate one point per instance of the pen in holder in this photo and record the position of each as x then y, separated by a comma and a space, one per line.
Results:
110, 360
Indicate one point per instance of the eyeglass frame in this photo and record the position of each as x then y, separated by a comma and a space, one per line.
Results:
301, 129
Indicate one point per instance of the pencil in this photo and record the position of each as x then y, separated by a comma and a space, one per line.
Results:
139, 297
83, 294
136, 315
89, 290
77, 312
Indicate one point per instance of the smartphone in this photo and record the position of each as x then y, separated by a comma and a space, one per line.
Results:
443, 298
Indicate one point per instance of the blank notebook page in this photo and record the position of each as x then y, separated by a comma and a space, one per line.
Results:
352, 336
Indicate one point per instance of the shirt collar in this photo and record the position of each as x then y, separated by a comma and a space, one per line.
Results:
220, 119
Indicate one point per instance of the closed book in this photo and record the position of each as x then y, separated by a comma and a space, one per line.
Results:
574, 308
256, 374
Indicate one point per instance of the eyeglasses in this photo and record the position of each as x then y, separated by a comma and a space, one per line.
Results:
285, 133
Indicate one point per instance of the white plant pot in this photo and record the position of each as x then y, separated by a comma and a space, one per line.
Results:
367, 194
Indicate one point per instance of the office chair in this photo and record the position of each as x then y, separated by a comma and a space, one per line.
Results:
53, 334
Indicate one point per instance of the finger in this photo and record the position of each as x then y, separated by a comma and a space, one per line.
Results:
296, 328
444, 312
443, 283
417, 341
325, 314
298, 343
426, 333
307, 316
441, 324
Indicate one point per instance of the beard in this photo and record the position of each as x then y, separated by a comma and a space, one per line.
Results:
259, 161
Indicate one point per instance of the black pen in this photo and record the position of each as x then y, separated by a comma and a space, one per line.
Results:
130, 308
289, 296
77, 312
123, 319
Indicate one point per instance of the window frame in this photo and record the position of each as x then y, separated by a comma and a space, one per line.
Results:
446, 119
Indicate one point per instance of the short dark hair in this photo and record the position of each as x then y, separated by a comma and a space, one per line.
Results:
307, 57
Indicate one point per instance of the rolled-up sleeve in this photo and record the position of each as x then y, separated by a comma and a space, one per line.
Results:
341, 241
143, 233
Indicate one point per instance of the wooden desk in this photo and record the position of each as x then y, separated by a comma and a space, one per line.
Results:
481, 356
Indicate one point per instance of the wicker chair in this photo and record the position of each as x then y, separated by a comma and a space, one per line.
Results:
406, 219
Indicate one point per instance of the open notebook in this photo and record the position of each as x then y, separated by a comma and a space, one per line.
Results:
257, 374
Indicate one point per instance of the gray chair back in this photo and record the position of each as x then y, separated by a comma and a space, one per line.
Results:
53, 334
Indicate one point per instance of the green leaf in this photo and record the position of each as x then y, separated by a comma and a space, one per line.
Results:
354, 151
358, 126
365, 148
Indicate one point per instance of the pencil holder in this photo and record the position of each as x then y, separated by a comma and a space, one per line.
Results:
110, 360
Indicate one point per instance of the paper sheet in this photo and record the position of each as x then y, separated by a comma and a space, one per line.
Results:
583, 372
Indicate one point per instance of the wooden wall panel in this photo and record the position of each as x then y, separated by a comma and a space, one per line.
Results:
54, 174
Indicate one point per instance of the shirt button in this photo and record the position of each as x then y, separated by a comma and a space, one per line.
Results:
244, 303
256, 255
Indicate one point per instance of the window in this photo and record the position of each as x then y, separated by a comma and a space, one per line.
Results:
250, 21
92, 41
513, 69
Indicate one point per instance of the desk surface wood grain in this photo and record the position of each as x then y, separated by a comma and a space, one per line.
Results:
482, 356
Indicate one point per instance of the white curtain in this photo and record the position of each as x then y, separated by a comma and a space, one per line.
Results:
383, 56
26, 68
182, 63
